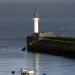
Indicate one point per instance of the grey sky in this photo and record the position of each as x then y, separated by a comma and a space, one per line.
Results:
35, 0
31, 0
24, 0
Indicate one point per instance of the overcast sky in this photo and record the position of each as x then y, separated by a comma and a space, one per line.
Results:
24, 0
31, 0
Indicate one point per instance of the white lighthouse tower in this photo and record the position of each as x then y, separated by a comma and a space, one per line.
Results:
36, 22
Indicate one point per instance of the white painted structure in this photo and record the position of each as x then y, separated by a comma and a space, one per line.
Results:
24, 71
36, 22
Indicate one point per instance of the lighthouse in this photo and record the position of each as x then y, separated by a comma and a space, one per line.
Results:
36, 22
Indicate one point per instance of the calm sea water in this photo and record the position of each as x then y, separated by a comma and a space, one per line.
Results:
16, 23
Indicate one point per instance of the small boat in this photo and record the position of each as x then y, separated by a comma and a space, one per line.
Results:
24, 71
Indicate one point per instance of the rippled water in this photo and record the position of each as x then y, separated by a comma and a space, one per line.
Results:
16, 23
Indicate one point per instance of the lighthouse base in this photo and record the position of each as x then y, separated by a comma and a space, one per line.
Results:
48, 44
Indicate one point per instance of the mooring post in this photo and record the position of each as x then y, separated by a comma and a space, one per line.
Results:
37, 63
